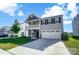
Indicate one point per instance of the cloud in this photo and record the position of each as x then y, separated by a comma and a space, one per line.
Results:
67, 22
63, 5
73, 8
8, 8
20, 13
55, 10
69, 11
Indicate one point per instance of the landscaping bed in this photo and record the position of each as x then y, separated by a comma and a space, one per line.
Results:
8, 43
72, 43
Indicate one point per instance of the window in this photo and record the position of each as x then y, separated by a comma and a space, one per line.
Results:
49, 21
35, 22
41, 22
59, 19
29, 23
46, 21
53, 20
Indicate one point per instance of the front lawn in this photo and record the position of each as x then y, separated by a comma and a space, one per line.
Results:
8, 43
72, 44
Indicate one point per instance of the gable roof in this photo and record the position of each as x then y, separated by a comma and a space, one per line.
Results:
31, 17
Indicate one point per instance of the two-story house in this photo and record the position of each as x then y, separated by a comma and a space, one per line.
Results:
45, 28
6, 31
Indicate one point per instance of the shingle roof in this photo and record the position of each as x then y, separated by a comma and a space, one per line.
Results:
31, 17
76, 17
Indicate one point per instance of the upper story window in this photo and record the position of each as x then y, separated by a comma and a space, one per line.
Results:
53, 20
29, 23
59, 19
37, 22
46, 21
34, 23
49, 21
42, 22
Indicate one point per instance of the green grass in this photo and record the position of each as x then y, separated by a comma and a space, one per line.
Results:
7, 46
72, 44
8, 43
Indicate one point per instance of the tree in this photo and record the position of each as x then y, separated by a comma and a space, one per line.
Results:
15, 27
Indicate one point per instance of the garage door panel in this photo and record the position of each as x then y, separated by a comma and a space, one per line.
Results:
56, 35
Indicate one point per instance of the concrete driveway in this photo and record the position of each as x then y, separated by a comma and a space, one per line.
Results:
41, 47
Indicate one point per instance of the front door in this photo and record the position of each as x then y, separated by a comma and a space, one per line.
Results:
36, 33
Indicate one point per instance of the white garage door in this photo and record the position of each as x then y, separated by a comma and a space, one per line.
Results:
55, 35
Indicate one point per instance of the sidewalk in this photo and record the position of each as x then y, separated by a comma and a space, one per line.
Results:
2, 52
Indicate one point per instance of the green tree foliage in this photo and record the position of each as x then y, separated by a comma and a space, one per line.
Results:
65, 36
15, 27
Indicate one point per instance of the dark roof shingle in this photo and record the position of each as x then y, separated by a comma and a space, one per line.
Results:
31, 17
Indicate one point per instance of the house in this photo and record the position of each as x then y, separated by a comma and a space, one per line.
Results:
5, 31
48, 27
23, 29
75, 25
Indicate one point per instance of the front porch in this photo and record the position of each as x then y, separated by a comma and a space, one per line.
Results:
34, 34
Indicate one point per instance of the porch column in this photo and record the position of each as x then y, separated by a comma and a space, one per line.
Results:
32, 33
39, 28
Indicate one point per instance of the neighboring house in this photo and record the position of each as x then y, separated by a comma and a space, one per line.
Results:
48, 27
23, 30
75, 25
5, 31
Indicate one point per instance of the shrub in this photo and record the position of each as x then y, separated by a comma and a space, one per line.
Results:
65, 36
75, 37
16, 40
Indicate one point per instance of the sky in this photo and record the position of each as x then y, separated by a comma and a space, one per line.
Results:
20, 11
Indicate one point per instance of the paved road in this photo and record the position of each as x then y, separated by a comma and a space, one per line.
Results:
41, 46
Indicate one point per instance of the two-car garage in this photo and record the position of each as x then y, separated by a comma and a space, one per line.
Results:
51, 34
